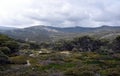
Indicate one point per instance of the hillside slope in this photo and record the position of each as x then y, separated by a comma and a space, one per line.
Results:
48, 33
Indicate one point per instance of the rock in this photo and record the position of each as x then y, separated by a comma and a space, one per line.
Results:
28, 63
65, 52
32, 55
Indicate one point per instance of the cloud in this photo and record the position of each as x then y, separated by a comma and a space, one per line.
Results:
60, 13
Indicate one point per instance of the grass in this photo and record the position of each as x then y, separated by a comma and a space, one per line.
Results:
75, 64
18, 59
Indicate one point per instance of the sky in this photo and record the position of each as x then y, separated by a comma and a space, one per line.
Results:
59, 13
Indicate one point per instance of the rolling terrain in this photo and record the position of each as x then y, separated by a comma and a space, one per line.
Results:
75, 57
49, 33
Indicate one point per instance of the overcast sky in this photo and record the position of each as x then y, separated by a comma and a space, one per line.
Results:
60, 13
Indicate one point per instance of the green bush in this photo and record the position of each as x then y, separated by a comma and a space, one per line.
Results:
116, 45
85, 70
5, 50
12, 45
3, 58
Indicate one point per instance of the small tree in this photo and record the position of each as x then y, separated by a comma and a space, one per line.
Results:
62, 45
116, 44
24, 46
34, 45
5, 50
12, 45
3, 58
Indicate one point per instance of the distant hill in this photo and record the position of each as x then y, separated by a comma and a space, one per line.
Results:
49, 33
3, 28
85, 29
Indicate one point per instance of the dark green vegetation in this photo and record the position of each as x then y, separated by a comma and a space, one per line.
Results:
81, 56
87, 44
8, 47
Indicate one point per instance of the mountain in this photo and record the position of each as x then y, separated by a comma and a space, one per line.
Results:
3, 28
86, 29
48, 33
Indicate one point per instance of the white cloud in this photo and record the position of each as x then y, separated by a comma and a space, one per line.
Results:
63, 13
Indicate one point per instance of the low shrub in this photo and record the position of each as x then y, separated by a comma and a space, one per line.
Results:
18, 60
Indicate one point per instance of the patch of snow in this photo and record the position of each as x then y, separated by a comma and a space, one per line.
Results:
50, 30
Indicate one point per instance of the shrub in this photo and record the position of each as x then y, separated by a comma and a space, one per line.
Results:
86, 70
116, 45
77, 72
12, 45
3, 58
111, 72
18, 60
5, 50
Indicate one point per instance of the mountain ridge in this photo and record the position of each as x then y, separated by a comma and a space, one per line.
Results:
7, 28
50, 33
